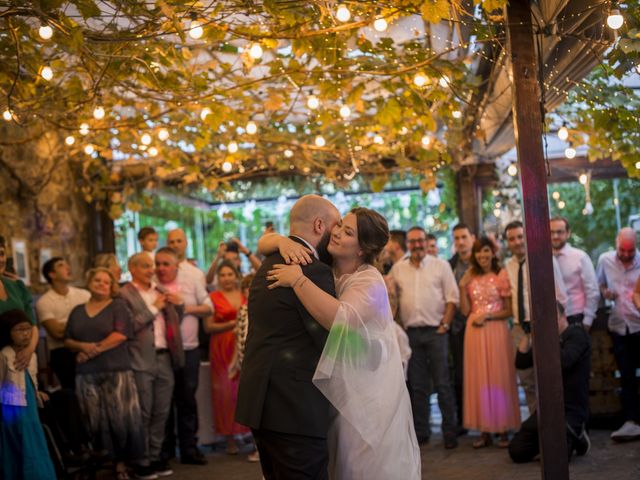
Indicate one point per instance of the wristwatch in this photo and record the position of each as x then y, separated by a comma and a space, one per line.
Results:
445, 326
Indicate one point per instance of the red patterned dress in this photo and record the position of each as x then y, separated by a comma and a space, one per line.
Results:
221, 349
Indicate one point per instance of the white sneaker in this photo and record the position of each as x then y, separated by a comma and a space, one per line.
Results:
627, 432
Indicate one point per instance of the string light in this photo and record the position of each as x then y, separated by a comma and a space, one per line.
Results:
255, 51
444, 81
98, 113
638, 165
251, 128
342, 13
46, 73
89, 149
227, 166
496, 212
195, 30
419, 80
153, 151
570, 153
512, 170
563, 133
378, 140
204, 113
615, 18
313, 102
232, 147
555, 195
561, 204
7, 115
145, 139
426, 141
45, 32
288, 153
456, 114
163, 134
380, 24
583, 178
70, 140
404, 131
84, 129
320, 141
345, 111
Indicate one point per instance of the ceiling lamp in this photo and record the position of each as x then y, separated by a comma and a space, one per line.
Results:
345, 111
98, 112
255, 51
320, 141
45, 32
380, 24
163, 134
313, 102
342, 13
251, 128
615, 18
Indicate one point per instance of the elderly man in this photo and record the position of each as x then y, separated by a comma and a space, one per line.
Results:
196, 304
428, 296
618, 273
155, 351
578, 274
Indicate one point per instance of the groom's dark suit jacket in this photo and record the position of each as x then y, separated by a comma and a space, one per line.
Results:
283, 347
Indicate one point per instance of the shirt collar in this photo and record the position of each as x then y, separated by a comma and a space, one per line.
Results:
311, 247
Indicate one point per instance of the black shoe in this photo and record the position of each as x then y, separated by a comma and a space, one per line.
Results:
144, 472
195, 459
161, 468
450, 441
461, 431
583, 444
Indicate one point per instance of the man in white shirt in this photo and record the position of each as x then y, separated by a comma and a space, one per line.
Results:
618, 273
578, 274
196, 304
519, 281
428, 296
177, 240
53, 310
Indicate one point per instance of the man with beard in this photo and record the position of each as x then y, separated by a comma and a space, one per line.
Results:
428, 296
288, 415
618, 273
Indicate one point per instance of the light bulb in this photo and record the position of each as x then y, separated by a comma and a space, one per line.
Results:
615, 19
570, 153
46, 73
98, 113
343, 14
84, 129
378, 140
145, 139
456, 114
195, 30
320, 141
444, 81
638, 165
70, 140
45, 32
638, 68
563, 133
404, 131
380, 24
255, 51
561, 204
232, 147
345, 111
555, 195
419, 80
313, 102
583, 178
204, 112
496, 212
426, 141
251, 127
153, 151
89, 149
163, 134
226, 167
288, 153
588, 208
7, 115
512, 170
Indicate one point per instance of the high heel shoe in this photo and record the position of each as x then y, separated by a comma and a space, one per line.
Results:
504, 441
484, 441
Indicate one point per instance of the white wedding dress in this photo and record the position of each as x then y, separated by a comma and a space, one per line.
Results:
372, 435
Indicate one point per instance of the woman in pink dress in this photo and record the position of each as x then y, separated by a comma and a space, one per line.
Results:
490, 393
227, 301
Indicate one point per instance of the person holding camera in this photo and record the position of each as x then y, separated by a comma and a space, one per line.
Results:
516, 268
230, 251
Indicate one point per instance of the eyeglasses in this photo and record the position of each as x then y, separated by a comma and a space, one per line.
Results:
24, 329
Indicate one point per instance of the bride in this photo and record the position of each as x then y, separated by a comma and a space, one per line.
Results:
360, 372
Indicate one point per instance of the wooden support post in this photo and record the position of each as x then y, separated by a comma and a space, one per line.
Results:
546, 346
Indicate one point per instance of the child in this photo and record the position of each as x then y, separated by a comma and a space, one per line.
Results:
23, 448
148, 239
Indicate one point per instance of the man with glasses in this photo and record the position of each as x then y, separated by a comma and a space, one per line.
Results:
428, 296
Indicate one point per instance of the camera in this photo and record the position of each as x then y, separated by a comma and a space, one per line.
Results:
526, 327
232, 246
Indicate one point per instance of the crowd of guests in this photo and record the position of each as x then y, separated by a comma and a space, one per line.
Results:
128, 353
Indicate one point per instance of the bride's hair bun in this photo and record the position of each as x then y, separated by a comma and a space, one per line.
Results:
373, 233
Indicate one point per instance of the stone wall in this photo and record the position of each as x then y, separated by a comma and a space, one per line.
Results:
39, 203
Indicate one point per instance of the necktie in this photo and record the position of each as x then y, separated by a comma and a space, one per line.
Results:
520, 294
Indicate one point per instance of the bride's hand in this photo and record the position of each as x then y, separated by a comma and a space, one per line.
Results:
293, 252
284, 275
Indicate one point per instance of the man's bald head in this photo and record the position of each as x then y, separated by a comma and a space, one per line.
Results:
626, 245
312, 217
177, 240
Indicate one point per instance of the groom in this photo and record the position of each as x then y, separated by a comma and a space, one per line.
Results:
276, 398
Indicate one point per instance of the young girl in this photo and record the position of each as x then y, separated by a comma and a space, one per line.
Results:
23, 448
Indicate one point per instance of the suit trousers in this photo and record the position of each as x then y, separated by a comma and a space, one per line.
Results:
155, 390
285, 456
525, 376
63, 364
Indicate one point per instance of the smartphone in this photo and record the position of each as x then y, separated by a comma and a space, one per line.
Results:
268, 224
9, 268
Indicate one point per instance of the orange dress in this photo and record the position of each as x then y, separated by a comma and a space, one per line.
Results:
221, 349
490, 391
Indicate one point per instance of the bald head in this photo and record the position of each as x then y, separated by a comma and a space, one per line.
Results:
626, 245
177, 240
312, 217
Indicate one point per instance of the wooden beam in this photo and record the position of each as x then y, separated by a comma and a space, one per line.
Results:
568, 170
546, 345
471, 180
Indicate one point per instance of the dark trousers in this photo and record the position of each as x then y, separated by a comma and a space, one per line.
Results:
186, 409
63, 364
456, 352
525, 443
292, 457
626, 349
63, 417
430, 360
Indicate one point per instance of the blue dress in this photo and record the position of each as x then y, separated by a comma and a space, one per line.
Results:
24, 454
